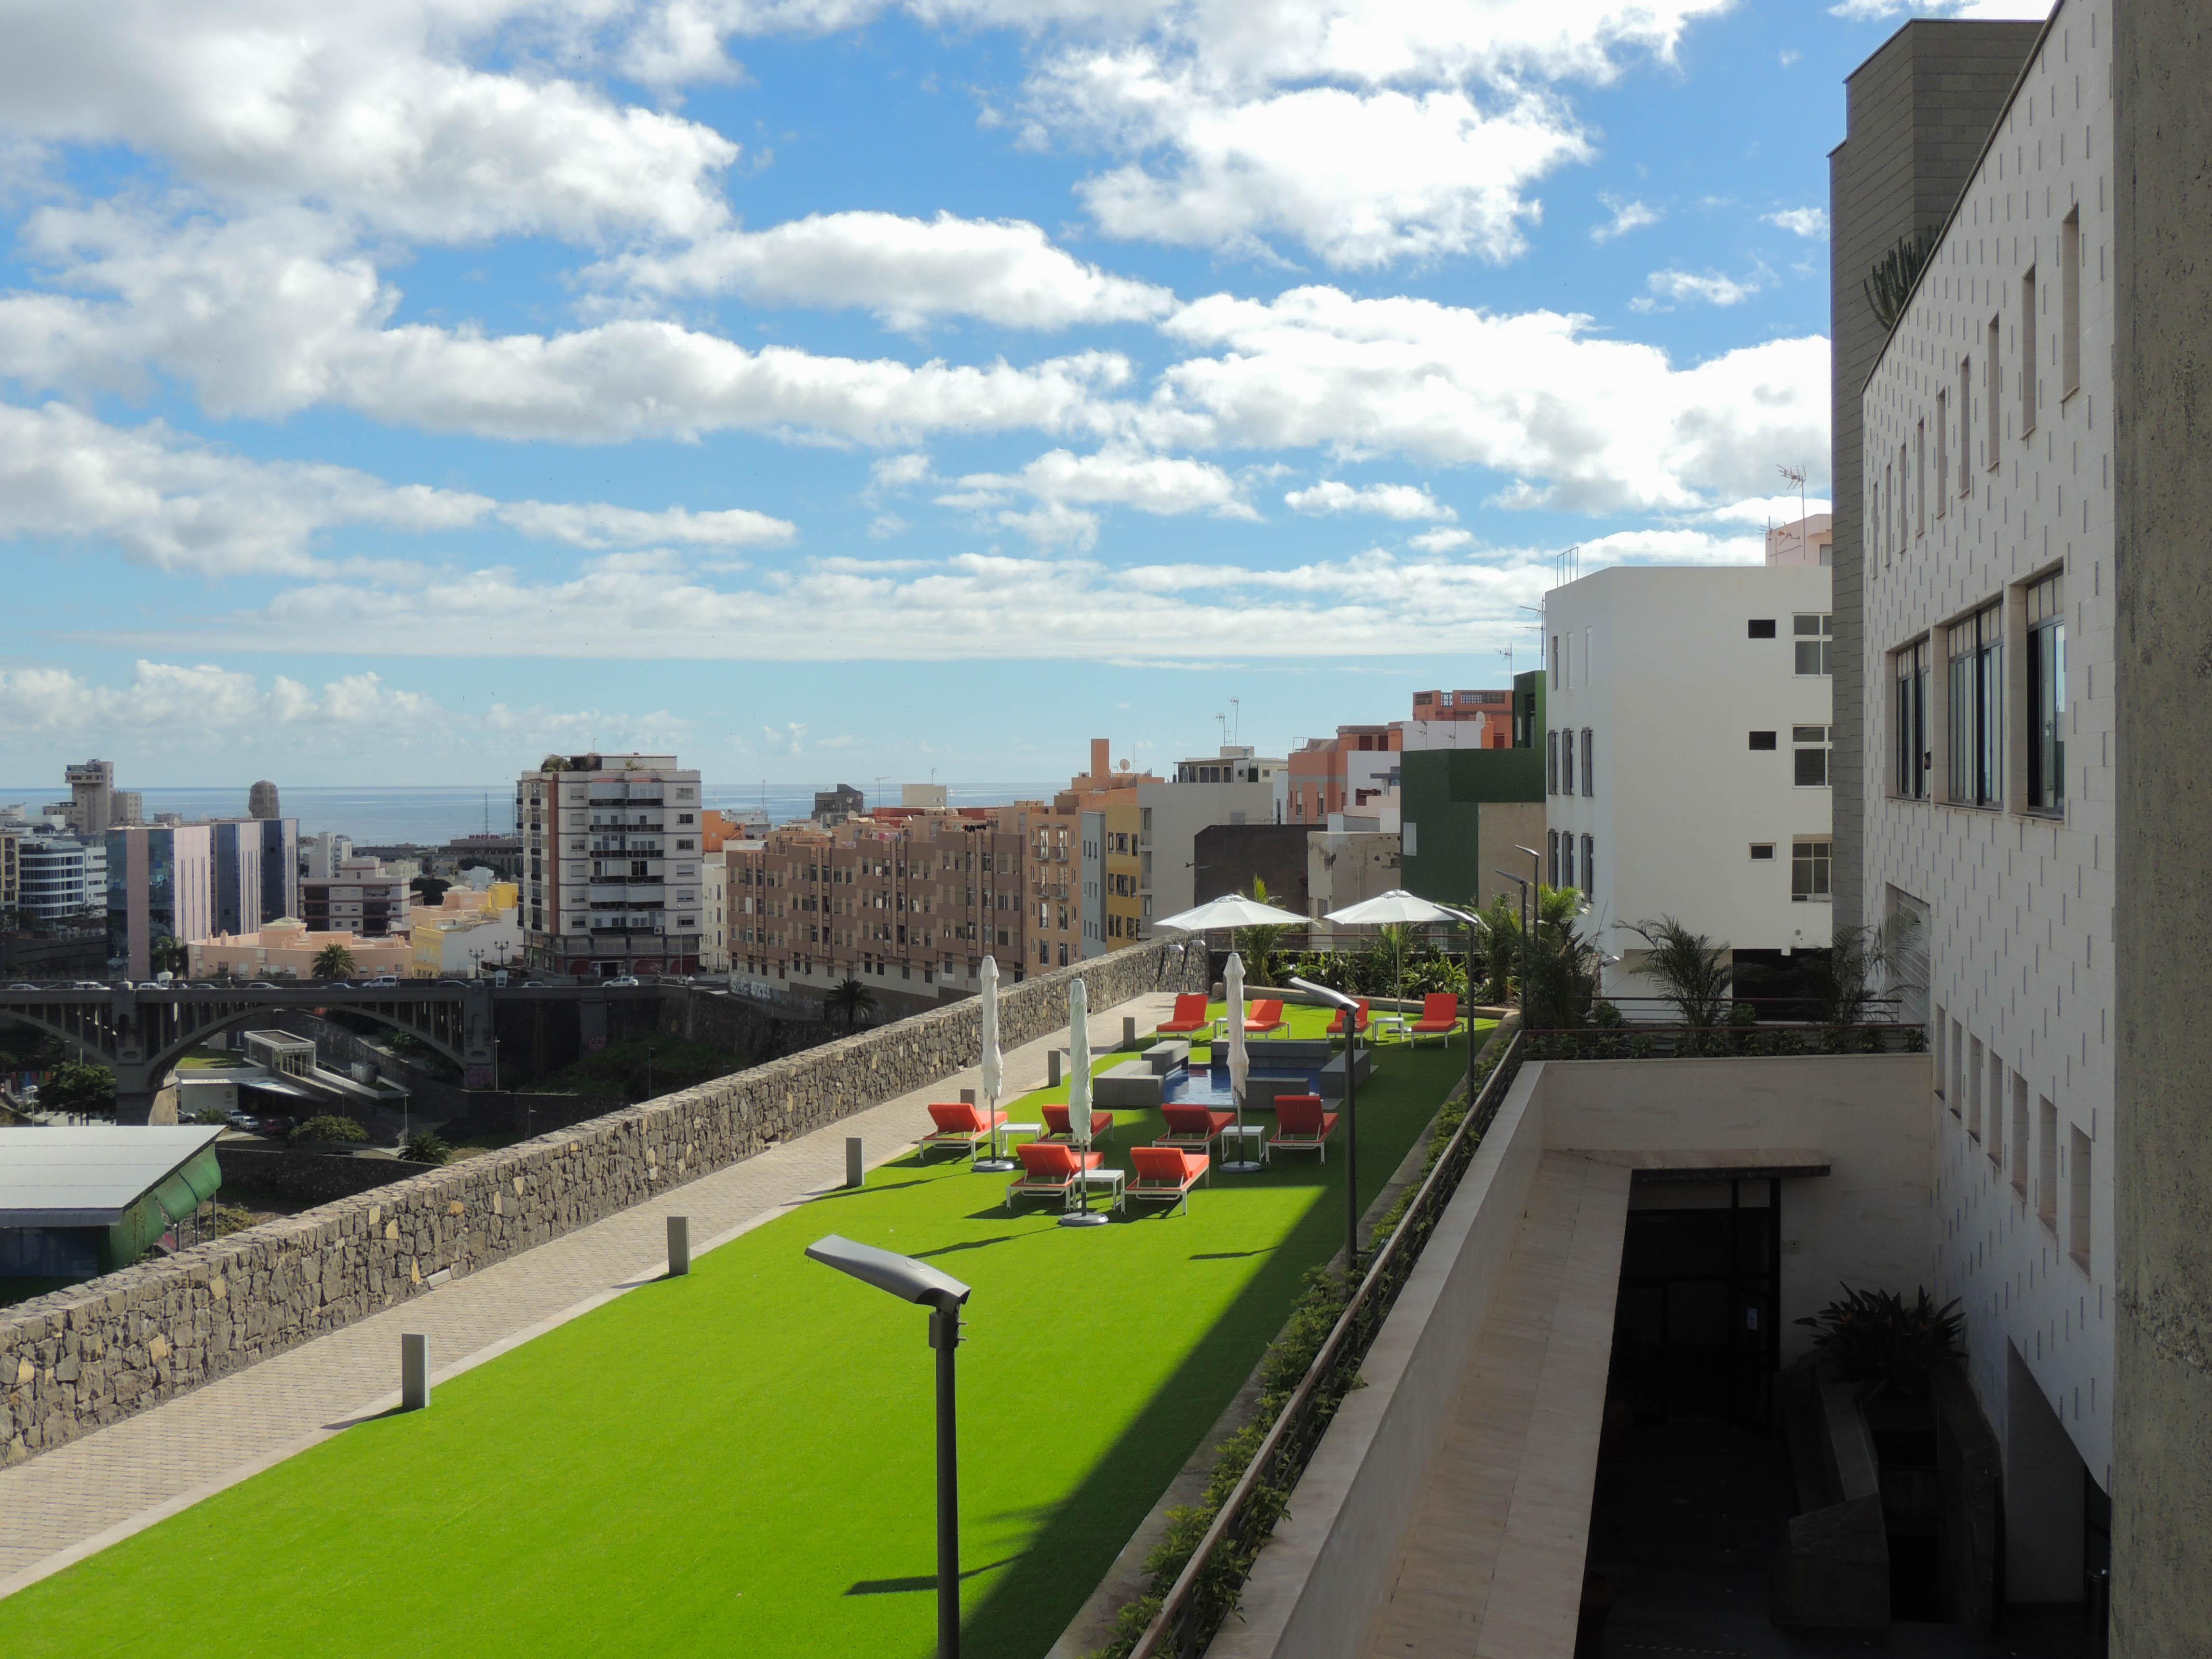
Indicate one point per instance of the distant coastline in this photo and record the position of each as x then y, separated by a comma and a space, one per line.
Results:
430, 815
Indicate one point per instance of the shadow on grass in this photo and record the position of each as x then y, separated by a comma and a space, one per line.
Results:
861, 1192
971, 1245
920, 1581
1230, 1255
1024, 1614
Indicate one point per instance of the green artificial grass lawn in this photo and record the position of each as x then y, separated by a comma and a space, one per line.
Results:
741, 1461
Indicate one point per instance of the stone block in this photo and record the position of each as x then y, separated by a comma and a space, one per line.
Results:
1131, 1084
1165, 1057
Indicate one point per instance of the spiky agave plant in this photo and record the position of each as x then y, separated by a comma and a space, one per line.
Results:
1888, 285
1880, 1343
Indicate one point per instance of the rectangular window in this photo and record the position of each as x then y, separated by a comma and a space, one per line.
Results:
1889, 494
1902, 486
1566, 861
1990, 393
2046, 696
1936, 1031
1759, 627
1762, 851
1589, 764
2020, 1136
1909, 736
2027, 340
1965, 424
2046, 1164
1555, 662
1810, 747
1567, 763
1942, 453
1975, 738
1920, 478
1813, 634
1996, 1137
1974, 1087
1551, 858
1958, 1075
2069, 305
2077, 1197
1589, 866
1873, 518
1550, 762
1762, 740
1809, 869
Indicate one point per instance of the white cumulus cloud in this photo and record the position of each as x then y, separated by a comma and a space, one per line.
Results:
1628, 215
1390, 501
1810, 222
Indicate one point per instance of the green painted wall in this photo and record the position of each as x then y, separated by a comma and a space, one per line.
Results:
1444, 791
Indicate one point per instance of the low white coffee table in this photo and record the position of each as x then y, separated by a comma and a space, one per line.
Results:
1253, 1139
1114, 1180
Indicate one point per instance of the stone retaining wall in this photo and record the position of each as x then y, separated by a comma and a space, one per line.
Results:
82, 1358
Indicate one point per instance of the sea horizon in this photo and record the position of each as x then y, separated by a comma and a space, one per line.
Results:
430, 814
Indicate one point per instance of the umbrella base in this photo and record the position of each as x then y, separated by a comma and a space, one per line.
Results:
994, 1165
1241, 1166
1084, 1219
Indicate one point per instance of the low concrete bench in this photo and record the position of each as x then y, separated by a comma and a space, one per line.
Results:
1165, 1057
1131, 1084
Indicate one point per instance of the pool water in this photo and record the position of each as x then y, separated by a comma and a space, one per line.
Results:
1209, 1086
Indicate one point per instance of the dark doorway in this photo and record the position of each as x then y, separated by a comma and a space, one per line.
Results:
1695, 1337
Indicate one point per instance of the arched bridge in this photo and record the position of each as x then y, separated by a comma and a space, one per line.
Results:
140, 1034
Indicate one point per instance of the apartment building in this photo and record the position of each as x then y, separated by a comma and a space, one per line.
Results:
714, 907
256, 871
57, 876
160, 885
1461, 719
908, 902
363, 896
1721, 821
1810, 540
1985, 562
611, 883
1342, 774
1233, 787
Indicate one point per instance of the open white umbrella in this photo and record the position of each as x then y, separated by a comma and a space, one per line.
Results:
993, 1067
1399, 906
1230, 910
1240, 1060
1079, 1100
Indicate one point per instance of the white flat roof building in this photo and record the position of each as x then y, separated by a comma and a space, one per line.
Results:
1687, 759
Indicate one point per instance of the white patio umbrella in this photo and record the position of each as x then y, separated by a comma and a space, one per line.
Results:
993, 1067
1079, 1100
1230, 910
1386, 909
1240, 1060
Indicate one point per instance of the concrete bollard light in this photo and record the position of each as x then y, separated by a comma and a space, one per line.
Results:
856, 1163
967, 1097
1128, 1030
414, 1372
1052, 1069
680, 1246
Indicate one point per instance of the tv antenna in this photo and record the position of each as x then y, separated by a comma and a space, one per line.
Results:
1796, 474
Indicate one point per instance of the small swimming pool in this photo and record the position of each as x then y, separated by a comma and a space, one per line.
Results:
1208, 1085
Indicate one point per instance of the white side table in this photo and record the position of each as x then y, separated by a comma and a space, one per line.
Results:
1114, 1180
1253, 1138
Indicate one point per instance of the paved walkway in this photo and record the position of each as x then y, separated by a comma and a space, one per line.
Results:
77, 1499
1493, 1562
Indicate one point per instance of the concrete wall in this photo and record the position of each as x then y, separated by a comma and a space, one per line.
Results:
82, 1358
2162, 253
2018, 905
1917, 113
1314, 1589
1869, 1222
308, 1177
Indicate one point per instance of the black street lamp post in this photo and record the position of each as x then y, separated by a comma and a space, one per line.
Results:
1350, 1008
944, 1296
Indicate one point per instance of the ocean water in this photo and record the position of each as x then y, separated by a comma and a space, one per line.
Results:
379, 817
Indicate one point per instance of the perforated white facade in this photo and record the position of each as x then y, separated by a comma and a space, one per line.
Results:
1989, 663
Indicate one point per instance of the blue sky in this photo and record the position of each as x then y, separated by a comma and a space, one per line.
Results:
832, 387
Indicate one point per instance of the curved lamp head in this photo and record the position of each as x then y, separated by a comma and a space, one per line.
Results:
1333, 999
901, 1275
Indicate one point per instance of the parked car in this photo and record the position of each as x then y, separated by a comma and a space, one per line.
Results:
379, 983
277, 1126
26, 986
245, 1121
626, 982
260, 985
88, 985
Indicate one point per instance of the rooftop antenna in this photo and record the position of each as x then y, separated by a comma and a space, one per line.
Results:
1223, 722
1237, 719
1796, 474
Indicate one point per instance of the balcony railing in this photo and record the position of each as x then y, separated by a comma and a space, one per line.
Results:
1205, 1592
1642, 1040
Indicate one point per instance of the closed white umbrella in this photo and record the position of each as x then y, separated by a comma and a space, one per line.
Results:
1079, 1098
1240, 1059
993, 1067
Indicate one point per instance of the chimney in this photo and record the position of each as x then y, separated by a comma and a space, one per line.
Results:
1102, 760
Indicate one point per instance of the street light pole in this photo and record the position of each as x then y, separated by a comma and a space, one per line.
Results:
1472, 921
944, 1296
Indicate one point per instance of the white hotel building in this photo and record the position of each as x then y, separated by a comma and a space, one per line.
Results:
1687, 757
1988, 663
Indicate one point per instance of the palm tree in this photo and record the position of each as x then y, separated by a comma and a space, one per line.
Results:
1257, 943
1844, 983
1558, 977
170, 955
332, 961
1693, 972
1501, 943
853, 999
